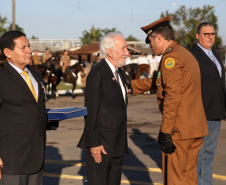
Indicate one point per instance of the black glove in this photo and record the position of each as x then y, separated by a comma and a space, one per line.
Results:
165, 140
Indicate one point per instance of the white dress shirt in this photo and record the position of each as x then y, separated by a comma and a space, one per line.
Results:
120, 80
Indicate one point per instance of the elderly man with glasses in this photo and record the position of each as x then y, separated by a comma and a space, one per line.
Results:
213, 97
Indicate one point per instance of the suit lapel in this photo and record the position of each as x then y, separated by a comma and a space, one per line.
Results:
204, 57
123, 82
18, 80
207, 59
112, 77
222, 67
219, 60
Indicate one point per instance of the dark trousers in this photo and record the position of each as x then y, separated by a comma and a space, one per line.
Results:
108, 172
31, 179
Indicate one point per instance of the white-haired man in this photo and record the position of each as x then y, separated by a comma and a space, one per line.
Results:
105, 133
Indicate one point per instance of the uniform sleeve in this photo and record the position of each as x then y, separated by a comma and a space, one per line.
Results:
141, 85
92, 102
172, 76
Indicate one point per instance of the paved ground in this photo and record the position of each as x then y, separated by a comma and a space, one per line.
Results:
65, 162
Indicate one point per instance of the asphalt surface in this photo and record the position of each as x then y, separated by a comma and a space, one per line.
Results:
65, 163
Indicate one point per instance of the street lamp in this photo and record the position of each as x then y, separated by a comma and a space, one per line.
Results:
14, 17
175, 4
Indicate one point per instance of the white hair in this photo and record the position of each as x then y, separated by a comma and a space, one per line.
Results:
107, 42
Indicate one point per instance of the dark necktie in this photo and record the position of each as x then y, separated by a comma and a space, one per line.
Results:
117, 76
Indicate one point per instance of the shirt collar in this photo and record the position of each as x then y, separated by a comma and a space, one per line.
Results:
204, 49
18, 69
111, 66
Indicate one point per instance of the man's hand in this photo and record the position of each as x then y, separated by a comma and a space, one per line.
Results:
165, 140
96, 153
52, 125
1, 165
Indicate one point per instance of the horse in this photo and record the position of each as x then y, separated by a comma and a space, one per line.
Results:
71, 75
52, 74
130, 70
56, 75
53, 64
2, 63
43, 70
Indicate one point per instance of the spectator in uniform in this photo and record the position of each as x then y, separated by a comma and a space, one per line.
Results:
46, 55
65, 60
35, 58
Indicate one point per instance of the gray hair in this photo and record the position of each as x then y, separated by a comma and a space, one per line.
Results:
107, 42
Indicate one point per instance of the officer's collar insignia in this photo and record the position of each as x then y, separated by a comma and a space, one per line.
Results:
169, 63
169, 50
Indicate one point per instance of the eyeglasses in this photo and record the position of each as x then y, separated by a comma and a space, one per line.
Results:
207, 35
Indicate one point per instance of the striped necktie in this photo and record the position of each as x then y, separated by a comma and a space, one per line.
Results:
117, 76
28, 81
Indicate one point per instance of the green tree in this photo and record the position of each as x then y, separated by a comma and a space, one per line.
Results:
3, 22
34, 37
106, 31
131, 38
18, 28
95, 34
185, 23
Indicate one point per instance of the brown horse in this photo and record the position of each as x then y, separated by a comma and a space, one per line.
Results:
43, 70
56, 75
52, 74
2, 61
71, 75
130, 70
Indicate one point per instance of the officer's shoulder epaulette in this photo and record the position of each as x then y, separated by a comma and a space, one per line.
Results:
169, 50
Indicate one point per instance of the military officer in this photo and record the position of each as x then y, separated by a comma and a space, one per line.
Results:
184, 124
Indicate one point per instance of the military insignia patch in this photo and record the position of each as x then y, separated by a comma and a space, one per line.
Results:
169, 62
159, 74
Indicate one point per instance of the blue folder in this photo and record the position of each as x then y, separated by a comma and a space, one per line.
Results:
66, 113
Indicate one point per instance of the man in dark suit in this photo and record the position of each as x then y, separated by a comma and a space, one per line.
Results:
23, 115
105, 133
213, 97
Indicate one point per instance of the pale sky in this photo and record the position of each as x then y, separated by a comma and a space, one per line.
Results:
66, 19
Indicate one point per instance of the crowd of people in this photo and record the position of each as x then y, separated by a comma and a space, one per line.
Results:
190, 94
